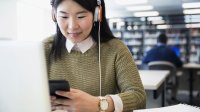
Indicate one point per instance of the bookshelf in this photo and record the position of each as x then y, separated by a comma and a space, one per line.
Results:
140, 35
194, 53
130, 34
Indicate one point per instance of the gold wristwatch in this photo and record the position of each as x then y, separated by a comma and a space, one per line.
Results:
103, 104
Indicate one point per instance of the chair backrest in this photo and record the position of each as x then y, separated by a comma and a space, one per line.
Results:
163, 65
171, 80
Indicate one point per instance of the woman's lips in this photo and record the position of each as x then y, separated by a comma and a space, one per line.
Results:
74, 34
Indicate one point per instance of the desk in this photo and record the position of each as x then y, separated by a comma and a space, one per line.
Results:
154, 80
191, 67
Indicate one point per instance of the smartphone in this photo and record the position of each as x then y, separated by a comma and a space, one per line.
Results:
55, 85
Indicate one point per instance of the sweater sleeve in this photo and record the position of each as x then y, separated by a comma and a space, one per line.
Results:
131, 89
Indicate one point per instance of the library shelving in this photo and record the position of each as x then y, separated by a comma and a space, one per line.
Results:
194, 53
140, 35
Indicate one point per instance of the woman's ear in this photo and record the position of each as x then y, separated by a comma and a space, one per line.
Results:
53, 14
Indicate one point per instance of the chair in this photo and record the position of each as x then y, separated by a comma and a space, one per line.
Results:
171, 81
163, 65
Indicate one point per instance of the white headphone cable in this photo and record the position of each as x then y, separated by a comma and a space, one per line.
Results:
99, 58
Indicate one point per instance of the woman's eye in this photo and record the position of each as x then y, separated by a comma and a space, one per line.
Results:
64, 17
81, 17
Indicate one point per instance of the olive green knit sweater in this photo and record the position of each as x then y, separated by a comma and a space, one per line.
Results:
119, 73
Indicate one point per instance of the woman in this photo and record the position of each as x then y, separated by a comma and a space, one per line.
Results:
73, 55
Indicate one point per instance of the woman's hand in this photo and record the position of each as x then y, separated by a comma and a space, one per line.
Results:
78, 101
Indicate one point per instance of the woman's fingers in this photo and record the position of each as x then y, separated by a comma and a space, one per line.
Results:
63, 108
53, 99
65, 94
68, 94
66, 102
74, 90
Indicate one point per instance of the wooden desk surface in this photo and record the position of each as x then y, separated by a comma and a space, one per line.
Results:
152, 79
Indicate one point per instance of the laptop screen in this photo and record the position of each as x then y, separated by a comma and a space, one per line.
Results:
23, 82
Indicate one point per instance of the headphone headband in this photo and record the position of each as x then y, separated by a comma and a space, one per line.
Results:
98, 2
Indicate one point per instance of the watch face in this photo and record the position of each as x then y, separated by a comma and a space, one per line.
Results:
104, 105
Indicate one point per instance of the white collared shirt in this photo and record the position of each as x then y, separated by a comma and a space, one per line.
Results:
83, 47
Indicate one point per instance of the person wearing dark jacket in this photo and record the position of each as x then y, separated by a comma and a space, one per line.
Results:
162, 52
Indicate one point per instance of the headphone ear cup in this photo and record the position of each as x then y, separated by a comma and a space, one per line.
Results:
100, 14
53, 15
96, 14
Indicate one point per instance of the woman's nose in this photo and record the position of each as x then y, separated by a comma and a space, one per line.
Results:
73, 23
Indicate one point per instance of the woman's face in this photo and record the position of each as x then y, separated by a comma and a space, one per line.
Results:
74, 21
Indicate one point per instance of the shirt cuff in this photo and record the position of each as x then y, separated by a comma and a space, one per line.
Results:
117, 103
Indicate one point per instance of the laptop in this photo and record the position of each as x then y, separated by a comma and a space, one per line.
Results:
23, 77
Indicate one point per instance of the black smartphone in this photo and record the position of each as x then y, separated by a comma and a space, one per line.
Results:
55, 85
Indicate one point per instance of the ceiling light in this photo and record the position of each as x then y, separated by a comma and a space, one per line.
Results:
158, 22
191, 5
130, 2
149, 13
192, 20
154, 18
192, 25
139, 8
191, 11
192, 17
163, 26
115, 20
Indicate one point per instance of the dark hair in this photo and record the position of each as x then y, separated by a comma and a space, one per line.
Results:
90, 5
162, 38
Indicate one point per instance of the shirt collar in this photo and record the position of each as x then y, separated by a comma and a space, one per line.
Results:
81, 46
